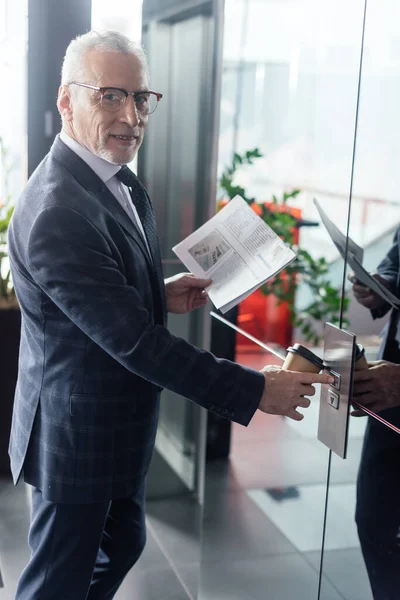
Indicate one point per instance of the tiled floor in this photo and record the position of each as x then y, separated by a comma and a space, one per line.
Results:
154, 577
345, 570
256, 544
287, 577
14, 522
292, 515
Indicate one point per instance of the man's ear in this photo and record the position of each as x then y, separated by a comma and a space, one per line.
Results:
64, 102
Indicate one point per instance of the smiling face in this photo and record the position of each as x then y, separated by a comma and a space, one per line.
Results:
114, 136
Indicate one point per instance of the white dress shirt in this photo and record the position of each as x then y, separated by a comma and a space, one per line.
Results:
107, 171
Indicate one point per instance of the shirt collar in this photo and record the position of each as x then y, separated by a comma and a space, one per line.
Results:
103, 169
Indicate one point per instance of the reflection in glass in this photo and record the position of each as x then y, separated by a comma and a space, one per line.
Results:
290, 77
378, 494
370, 566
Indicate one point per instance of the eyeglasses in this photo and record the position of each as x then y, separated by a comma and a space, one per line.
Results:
112, 99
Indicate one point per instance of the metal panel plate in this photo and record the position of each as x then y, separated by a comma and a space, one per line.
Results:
179, 167
339, 356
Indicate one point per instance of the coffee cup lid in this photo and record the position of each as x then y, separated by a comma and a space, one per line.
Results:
307, 354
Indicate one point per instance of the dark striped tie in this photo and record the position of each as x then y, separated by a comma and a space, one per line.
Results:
146, 215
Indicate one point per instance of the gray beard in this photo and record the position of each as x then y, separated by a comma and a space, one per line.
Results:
111, 158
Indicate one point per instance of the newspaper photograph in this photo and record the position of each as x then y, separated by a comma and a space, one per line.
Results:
235, 249
209, 251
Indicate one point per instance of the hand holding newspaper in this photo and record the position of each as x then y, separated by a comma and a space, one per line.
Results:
235, 249
354, 255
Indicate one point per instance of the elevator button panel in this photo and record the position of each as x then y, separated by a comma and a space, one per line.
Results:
338, 357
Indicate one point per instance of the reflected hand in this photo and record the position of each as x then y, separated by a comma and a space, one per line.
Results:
284, 391
364, 295
185, 292
377, 388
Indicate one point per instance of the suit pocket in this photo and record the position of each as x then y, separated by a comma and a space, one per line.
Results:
96, 410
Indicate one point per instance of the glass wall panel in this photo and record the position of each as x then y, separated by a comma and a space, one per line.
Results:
289, 89
364, 496
177, 164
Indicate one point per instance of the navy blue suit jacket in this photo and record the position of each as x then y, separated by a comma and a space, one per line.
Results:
389, 268
95, 350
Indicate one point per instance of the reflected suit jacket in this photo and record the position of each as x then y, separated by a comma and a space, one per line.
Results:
389, 268
95, 351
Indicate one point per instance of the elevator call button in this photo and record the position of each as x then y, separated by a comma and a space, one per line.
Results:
333, 399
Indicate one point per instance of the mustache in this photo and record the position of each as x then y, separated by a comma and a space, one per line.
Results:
135, 133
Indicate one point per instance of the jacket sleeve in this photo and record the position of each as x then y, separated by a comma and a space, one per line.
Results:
73, 264
389, 269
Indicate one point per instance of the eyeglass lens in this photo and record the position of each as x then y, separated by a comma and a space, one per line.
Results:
113, 99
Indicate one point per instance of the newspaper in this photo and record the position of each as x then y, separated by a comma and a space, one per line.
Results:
354, 257
235, 249
338, 238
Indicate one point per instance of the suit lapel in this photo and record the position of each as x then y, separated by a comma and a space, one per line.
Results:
132, 229
108, 199
95, 186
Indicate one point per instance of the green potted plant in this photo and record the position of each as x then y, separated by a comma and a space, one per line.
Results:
326, 299
9, 316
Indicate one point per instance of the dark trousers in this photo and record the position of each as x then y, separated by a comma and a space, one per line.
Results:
378, 506
82, 551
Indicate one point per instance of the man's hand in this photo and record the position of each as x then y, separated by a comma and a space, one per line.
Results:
284, 391
185, 292
377, 388
364, 295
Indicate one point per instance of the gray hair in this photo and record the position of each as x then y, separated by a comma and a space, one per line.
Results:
74, 68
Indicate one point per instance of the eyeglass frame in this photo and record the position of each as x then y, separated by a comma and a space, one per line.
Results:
103, 90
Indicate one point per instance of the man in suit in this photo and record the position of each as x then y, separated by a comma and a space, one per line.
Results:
95, 350
378, 488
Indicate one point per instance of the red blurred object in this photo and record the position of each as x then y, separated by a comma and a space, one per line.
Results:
262, 316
